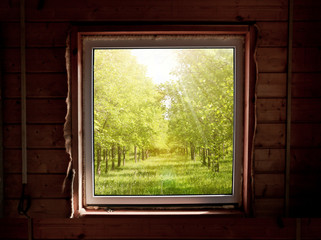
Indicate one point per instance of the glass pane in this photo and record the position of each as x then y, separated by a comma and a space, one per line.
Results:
163, 121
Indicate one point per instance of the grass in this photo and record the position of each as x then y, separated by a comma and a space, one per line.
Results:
165, 175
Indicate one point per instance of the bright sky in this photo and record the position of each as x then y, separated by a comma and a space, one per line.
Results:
159, 62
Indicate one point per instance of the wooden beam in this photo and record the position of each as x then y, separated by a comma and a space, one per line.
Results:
288, 110
23, 92
164, 227
138, 10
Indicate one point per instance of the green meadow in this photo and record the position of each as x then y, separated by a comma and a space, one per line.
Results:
167, 174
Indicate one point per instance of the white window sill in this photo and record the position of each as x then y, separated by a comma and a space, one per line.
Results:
190, 212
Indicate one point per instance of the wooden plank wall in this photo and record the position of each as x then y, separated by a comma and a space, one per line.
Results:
162, 227
47, 26
306, 115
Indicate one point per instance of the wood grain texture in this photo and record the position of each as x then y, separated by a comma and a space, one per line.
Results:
38, 136
270, 136
302, 135
269, 185
38, 111
199, 228
303, 110
269, 160
38, 60
39, 161
166, 10
271, 60
39, 85
40, 208
269, 207
37, 34
272, 34
168, 227
271, 110
271, 85
303, 160
39, 186
54, 34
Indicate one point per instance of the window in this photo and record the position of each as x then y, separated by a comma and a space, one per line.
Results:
161, 118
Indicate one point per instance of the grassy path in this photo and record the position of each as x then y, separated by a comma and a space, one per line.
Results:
165, 175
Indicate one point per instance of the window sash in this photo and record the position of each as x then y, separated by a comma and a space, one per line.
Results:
213, 41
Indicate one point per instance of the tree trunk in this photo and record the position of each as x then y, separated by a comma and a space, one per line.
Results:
103, 155
223, 153
216, 165
124, 155
113, 157
214, 157
192, 152
106, 153
119, 155
208, 158
143, 156
204, 156
98, 159
135, 153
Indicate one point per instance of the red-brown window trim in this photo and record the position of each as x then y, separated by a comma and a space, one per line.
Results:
122, 29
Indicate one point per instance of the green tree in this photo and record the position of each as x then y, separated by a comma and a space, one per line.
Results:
201, 110
127, 105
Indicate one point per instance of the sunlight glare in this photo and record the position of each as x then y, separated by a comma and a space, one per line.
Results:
159, 62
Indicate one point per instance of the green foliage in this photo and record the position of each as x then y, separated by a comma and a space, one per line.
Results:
201, 111
127, 110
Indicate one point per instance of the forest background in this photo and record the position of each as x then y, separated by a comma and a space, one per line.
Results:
167, 137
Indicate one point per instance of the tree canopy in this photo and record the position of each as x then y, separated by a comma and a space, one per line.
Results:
127, 108
193, 110
201, 111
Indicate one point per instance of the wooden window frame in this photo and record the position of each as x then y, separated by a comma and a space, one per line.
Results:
248, 108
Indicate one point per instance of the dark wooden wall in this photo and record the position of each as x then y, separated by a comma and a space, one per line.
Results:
47, 27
